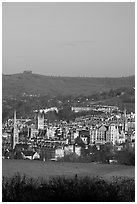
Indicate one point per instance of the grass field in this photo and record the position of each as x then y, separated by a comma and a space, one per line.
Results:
49, 169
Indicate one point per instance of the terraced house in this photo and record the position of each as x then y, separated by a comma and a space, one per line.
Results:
108, 134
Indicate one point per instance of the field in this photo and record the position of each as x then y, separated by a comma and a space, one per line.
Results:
37, 169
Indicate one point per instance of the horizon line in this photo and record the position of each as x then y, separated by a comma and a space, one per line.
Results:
66, 76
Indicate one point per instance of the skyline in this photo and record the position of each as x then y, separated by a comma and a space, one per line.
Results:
65, 76
69, 39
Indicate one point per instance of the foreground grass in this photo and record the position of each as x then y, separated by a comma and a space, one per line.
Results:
81, 189
47, 169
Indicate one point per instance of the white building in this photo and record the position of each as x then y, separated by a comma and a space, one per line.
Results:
98, 135
112, 134
59, 153
72, 149
40, 121
50, 132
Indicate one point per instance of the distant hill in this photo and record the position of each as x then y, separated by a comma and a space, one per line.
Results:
29, 83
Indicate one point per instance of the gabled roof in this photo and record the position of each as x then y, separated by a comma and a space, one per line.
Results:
28, 153
102, 128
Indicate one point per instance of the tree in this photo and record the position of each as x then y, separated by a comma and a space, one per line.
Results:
126, 156
80, 142
104, 154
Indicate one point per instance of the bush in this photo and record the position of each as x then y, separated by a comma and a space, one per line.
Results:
80, 189
126, 157
72, 157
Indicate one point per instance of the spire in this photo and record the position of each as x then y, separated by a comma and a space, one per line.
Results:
15, 131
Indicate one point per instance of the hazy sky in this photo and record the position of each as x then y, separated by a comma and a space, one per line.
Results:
69, 39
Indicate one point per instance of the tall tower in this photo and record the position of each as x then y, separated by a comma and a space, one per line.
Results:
15, 132
40, 120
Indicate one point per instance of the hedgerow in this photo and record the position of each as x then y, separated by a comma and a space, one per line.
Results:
56, 189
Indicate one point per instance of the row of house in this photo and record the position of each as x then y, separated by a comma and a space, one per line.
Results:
95, 108
108, 134
57, 136
23, 151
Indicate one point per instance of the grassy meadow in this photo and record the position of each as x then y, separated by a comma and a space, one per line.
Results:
46, 170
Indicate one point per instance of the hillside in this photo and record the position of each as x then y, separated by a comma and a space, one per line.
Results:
17, 84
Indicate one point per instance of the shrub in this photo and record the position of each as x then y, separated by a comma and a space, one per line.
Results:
126, 157
80, 189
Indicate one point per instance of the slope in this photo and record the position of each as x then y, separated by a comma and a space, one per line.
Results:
17, 84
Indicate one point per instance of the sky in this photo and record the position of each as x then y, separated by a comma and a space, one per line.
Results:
69, 39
